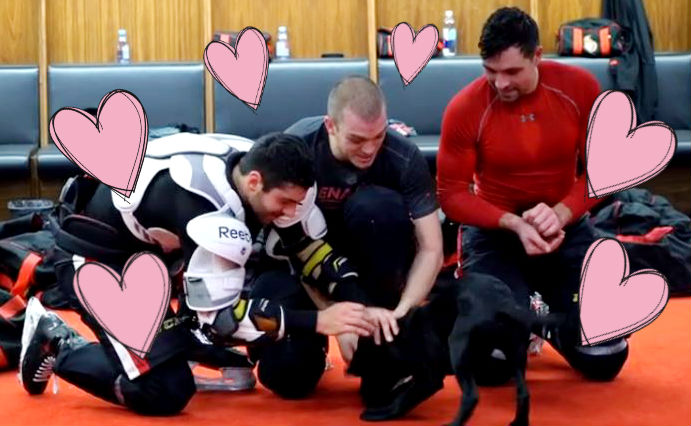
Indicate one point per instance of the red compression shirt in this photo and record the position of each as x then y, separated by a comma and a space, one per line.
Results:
497, 157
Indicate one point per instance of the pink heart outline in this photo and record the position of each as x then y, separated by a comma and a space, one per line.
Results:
218, 63
607, 114
635, 309
111, 314
409, 59
102, 170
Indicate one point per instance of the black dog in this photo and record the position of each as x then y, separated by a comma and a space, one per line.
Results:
398, 376
464, 322
489, 318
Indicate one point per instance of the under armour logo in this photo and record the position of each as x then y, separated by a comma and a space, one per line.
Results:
527, 117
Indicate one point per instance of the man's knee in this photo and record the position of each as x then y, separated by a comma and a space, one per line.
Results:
292, 367
165, 395
601, 362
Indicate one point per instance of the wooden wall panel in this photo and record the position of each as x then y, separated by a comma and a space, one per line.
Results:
173, 30
19, 31
553, 13
470, 15
161, 30
670, 21
314, 26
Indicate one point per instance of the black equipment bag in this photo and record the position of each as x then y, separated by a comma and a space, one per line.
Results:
591, 37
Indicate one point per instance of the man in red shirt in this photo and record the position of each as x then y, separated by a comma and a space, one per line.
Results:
511, 170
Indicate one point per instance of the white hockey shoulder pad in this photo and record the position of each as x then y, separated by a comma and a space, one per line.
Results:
205, 175
308, 214
185, 143
233, 141
212, 283
222, 234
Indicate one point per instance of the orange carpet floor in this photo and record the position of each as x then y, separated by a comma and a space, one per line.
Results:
654, 388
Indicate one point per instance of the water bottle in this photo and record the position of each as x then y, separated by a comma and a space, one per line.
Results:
123, 52
449, 34
282, 44
541, 309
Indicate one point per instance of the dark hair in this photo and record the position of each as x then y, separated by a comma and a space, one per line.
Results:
507, 27
281, 159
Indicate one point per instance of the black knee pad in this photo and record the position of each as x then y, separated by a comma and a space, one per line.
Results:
292, 367
601, 362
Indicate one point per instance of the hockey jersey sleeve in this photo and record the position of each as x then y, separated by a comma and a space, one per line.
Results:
299, 239
214, 283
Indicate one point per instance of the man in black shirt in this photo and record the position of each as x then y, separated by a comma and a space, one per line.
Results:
378, 198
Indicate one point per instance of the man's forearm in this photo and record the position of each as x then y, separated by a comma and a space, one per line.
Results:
300, 320
422, 276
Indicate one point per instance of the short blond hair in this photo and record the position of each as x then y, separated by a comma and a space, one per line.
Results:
360, 94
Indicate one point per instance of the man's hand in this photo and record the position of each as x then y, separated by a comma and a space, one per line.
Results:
385, 321
347, 343
345, 317
544, 219
534, 244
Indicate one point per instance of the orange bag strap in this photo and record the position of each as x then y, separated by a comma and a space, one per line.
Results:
26, 274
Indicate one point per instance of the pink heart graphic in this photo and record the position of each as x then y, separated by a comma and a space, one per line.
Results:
619, 156
130, 308
412, 52
111, 146
241, 70
612, 302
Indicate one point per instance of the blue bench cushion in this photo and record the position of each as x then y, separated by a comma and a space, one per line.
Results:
674, 90
19, 107
14, 160
19, 119
294, 89
421, 104
52, 164
169, 93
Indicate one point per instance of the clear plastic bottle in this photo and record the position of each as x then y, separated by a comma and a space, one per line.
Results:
449, 34
541, 309
282, 44
123, 51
